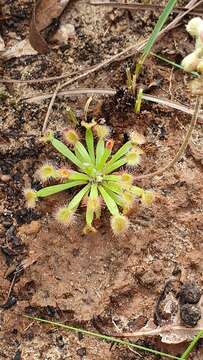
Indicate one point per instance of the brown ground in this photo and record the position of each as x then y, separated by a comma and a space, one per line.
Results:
73, 278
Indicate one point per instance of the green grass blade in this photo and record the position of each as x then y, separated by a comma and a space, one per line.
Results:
74, 203
110, 203
103, 337
99, 151
129, 78
121, 152
109, 168
138, 101
172, 63
161, 21
192, 345
50, 190
90, 143
64, 150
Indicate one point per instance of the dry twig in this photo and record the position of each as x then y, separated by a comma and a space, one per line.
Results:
106, 92
50, 108
183, 146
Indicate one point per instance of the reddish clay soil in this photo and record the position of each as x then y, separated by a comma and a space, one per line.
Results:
97, 282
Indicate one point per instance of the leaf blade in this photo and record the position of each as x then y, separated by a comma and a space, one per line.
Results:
111, 167
54, 189
65, 151
121, 152
74, 203
161, 21
110, 203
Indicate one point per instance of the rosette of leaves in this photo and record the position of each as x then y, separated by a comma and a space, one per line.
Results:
97, 178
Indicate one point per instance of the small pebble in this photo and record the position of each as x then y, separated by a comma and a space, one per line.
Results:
148, 279
157, 266
190, 314
5, 178
30, 229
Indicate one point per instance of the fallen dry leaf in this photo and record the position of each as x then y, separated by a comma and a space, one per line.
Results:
44, 12
170, 334
173, 333
21, 48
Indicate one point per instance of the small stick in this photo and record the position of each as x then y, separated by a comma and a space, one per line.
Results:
50, 108
139, 6
73, 92
111, 92
11, 286
33, 81
183, 146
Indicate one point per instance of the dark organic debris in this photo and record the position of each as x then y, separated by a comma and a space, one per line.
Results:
190, 293
118, 105
9, 303
190, 314
17, 355
25, 216
36, 39
82, 352
8, 253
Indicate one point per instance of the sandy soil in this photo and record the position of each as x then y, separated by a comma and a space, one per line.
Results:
95, 280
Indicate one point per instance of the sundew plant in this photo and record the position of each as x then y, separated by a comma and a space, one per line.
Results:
97, 177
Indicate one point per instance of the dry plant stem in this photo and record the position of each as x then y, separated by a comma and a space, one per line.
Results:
50, 108
134, 47
48, 79
104, 63
74, 92
11, 286
157, 331
111, 92
191, 3
172, 104
33, 81
139, 7
183, 146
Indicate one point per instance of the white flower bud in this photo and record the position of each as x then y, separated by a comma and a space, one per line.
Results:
190, 62
194, 26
